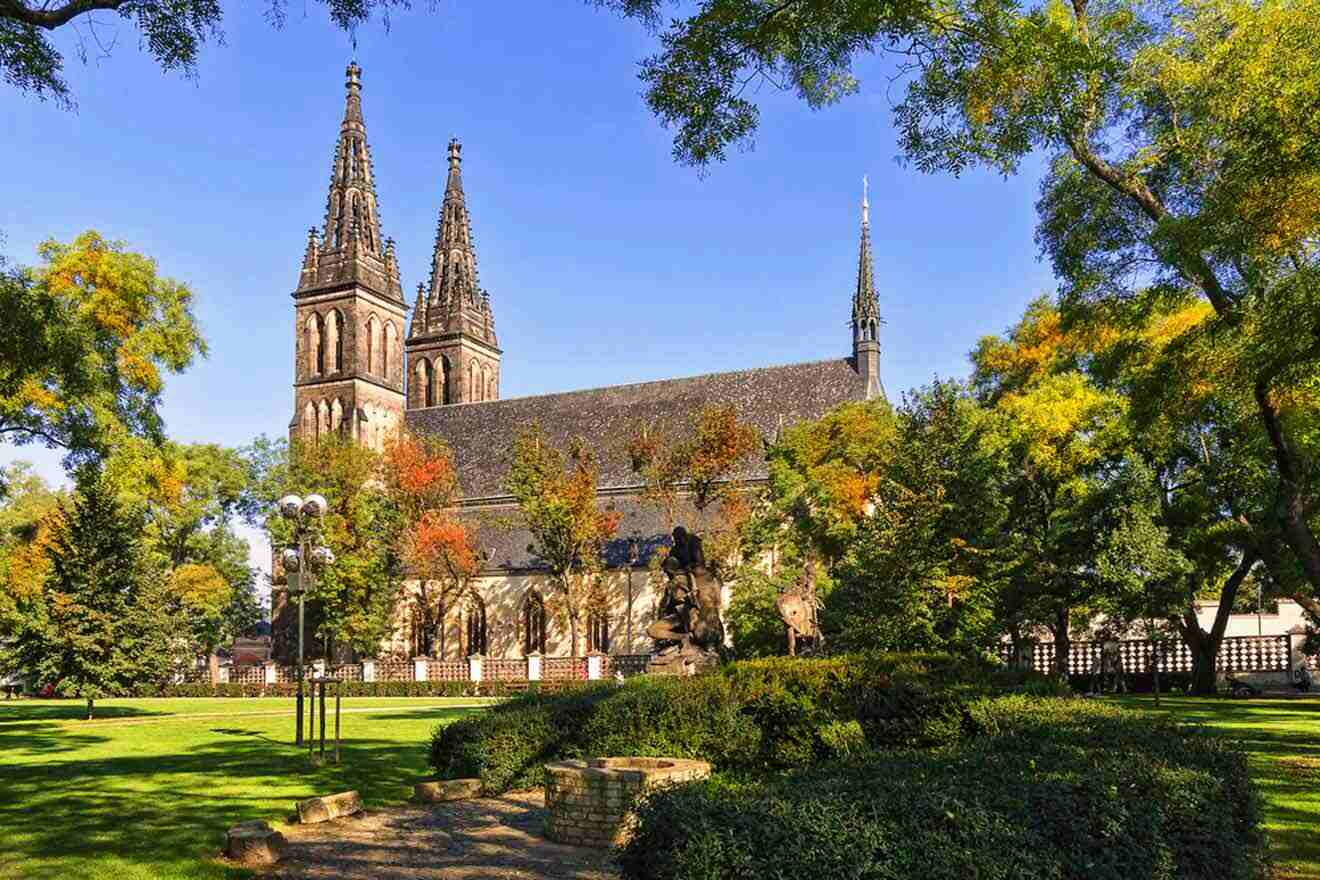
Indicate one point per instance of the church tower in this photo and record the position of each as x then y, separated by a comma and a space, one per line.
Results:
453, 356
349, 307
866, 311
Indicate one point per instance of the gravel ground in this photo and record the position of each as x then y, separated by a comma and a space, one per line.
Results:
497, 838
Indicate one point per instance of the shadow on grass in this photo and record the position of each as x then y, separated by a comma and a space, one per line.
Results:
35, 738
35, 710
172, 810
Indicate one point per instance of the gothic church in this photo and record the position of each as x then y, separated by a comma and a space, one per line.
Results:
353, 377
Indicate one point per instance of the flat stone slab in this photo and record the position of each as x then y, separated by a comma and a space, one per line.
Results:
439, 790
332, 806
254, 843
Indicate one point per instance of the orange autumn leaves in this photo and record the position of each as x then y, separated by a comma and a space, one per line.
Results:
419, 474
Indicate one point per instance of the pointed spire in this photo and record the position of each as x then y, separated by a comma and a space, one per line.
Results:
351, 245
866, 304
455, 301
418, 324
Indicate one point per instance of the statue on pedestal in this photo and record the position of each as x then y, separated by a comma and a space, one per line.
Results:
689, 630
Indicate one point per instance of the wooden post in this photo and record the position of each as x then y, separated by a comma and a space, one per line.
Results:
311, 720
322, 719
338, 690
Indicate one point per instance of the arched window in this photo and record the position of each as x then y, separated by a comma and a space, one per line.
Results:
424, 377
315, 345
485, 380
334, 332
490, 390
446, 377
371, 342
323, 424
472, 381
391, 348
384, 370
474, 626
308, 422
533, 623
598, 632
336, 416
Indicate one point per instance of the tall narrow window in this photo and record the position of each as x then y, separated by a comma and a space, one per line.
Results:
384, 352
472, 381
598, 632
446, 377
533, 623
371, 342
474, 626
335, 339
391, 350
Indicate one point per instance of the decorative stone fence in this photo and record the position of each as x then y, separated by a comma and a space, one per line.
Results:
591, 802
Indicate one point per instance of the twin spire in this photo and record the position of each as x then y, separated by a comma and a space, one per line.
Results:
866, 304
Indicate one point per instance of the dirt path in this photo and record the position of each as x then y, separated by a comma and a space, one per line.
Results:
498, 838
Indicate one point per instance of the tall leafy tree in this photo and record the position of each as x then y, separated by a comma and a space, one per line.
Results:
102, 629
1181, 136
354, 599
555, 491
28, 515
437, 548
89, 335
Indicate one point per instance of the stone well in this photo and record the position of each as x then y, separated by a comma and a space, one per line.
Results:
590, 803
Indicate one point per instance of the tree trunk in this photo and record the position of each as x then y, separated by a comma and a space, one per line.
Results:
1291, 505
1061, 641
89, 708
1205, 645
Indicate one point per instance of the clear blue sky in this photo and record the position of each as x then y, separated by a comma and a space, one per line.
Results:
605, 260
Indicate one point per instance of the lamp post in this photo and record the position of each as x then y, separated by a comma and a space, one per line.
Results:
305, 556
633, 554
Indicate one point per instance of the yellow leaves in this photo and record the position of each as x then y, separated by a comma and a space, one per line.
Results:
200, 588
29, 562
1061, 423
33, 393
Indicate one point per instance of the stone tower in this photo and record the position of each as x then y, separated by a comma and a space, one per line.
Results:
453, 356
349, 307
866, 311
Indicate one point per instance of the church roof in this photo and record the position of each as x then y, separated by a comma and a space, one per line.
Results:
481, 434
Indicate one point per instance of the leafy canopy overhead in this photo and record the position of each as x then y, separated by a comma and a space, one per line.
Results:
173, 31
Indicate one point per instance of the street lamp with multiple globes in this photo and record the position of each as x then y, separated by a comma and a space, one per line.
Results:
302, 559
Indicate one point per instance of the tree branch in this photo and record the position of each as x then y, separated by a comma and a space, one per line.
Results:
53, 18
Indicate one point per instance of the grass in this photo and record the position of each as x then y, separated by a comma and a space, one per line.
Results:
1282, 739
147, 789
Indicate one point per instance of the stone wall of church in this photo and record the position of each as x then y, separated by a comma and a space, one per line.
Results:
505, 599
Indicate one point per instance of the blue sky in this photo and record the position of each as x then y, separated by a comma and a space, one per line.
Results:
605, 260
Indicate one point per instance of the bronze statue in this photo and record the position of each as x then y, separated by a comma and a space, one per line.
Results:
689, 630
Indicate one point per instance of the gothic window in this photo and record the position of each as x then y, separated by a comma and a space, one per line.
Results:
472, 381
425, 393
391, 350
874, 332
384, 352
533, 623
598, 632
315, 345
490, 389
371, 342
474, 626
482, 382
308, 422
336, 416
335, 339
446, 377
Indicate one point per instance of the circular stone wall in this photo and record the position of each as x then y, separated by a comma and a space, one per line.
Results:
591, 802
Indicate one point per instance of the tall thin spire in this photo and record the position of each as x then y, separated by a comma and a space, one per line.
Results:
866, 308
866, 304
455, 301
351, 246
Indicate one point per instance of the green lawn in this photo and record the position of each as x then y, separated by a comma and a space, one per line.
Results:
147, 789
1282, 738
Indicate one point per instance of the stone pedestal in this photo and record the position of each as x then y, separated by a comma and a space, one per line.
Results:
254, 843
590, 803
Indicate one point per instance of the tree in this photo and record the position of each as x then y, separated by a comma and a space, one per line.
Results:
1181, 137
556, 496
173, 33
918, 567
354, 599
28, 516
437, 548
87, 338
103, 629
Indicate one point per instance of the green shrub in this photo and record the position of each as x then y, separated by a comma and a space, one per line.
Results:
1060, 788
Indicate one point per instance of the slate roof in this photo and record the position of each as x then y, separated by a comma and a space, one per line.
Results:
481, 433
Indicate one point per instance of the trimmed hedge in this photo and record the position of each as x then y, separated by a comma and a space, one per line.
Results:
751, 716
1067, 789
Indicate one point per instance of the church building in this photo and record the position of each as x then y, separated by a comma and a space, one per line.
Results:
358, 374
